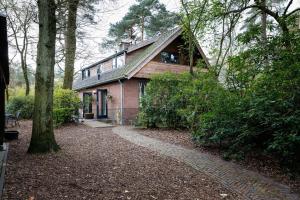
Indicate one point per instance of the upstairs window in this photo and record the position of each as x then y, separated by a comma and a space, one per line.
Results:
114, 66
168, 57
118, 61
86, 73
99, 71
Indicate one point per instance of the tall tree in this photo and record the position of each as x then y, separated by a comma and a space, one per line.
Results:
145, 18
70, 43
21, 16
71, 31
42, 139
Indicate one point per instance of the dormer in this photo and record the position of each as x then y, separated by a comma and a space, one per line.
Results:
85, 73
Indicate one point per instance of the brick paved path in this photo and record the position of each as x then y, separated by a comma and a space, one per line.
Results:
248, 184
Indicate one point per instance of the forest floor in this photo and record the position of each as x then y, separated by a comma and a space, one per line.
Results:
95, 163
266, 166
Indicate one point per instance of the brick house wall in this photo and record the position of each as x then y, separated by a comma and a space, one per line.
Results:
130, 100
129, 89
113, 104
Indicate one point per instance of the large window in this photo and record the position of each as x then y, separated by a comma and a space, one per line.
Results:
142, 87
87, 102
168, 57
85, 73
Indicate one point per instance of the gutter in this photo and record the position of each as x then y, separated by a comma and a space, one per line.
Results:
122, 100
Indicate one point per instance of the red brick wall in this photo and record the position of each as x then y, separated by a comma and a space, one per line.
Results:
113, 104
131, 99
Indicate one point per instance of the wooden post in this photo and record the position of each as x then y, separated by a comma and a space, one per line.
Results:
4, 73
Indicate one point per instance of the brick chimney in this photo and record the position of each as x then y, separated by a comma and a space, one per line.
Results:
124, 44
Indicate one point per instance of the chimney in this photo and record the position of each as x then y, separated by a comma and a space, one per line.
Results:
124, 45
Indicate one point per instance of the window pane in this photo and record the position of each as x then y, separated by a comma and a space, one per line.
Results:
168, 57
120, 61
114, 63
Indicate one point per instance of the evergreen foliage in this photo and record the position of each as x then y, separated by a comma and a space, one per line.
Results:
146, 17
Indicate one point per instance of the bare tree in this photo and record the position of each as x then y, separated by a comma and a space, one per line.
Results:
20, 16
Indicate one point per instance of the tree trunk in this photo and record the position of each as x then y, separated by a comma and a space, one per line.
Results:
191, 53
143, 27
42, 139
70, 44
25, 74
264, 24
7, 94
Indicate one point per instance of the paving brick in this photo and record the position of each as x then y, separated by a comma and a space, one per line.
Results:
246, 183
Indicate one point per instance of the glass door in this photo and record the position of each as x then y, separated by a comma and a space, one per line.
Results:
102, 103
87, 102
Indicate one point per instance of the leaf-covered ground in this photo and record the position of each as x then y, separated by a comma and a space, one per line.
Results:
94, 164
266, 166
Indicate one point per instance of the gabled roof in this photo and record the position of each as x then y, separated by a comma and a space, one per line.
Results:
139, 61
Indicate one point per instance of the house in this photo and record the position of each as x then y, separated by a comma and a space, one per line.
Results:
112, 87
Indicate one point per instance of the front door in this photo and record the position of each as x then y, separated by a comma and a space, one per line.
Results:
102, 103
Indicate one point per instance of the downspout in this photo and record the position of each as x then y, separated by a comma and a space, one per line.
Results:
122, 101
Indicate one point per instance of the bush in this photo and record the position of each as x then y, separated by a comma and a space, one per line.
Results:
24, 104
66, 103
159, 106
258, 110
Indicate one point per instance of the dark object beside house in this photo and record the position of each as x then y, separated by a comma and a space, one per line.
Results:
89, 115
13, 119
11, 135
4, 73
4, 80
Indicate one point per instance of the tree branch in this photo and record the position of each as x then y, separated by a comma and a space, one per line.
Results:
292, 12
287, 7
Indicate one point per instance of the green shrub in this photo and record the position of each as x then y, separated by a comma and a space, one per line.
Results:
24, 104
262, 116
66, 103
256, 110
159, 106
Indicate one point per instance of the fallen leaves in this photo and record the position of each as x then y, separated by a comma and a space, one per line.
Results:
94, 163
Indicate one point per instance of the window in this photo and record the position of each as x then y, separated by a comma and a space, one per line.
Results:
142, 86
99, 71
114, 63
167, 57
87, 102
118, 61
85, 73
